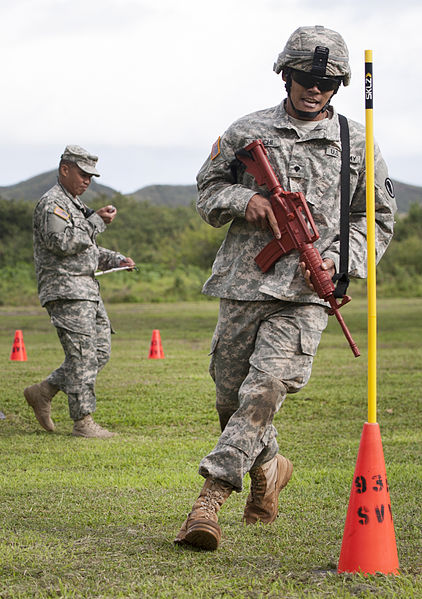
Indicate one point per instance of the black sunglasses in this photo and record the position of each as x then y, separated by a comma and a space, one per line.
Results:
307, 80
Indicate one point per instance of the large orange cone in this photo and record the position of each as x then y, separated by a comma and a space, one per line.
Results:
369, 543
18, 348
156, 349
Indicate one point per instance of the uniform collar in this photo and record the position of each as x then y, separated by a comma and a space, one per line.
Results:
326, 129
76, 200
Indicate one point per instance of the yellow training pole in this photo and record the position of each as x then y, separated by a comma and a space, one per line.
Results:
369, 544
371, 261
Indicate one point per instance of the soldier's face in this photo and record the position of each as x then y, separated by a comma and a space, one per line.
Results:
307, 100
74, 179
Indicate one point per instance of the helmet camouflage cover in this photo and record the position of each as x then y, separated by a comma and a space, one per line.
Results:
300, 48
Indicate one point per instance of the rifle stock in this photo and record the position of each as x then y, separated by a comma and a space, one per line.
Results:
297, 228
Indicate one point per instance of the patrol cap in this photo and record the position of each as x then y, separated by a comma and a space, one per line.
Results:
86, 161
299, 52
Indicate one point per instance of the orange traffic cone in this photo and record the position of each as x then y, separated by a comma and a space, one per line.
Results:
156, 349
369, 543
18, 348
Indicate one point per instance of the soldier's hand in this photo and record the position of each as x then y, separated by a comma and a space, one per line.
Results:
260, 213
128, 262
107, 213
327, 264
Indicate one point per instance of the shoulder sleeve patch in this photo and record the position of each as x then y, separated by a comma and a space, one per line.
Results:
389, 187
62, 213
215, 150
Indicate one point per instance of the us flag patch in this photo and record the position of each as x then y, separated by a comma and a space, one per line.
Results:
215, 150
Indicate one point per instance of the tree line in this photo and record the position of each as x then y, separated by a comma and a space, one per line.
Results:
175, 250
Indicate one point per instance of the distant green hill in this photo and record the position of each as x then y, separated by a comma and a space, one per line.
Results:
32, 189
407, 195
163, 195
166, 195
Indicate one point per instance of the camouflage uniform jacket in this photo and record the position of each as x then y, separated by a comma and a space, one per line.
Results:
65, 250
310, 164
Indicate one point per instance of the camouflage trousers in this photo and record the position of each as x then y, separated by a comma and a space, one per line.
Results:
84, 331
260, 352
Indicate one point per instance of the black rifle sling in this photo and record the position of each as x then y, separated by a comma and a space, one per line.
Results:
342, 276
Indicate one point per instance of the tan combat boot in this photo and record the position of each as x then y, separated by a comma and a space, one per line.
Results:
39, 397
86, 427
200, 529
266, 484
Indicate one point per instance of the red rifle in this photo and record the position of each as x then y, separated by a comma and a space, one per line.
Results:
297, 228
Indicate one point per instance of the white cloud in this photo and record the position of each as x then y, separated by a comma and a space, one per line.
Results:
160, 74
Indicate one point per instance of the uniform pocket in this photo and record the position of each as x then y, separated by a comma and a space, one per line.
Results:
73, 315
309, 341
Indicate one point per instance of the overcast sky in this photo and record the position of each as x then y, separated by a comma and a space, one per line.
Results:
149, 85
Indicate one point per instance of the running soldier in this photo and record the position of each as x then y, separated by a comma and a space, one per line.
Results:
270, 324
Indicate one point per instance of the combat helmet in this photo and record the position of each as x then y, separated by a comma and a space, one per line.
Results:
314, 55
317, 50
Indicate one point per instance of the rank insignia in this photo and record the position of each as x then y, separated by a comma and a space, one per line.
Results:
62, 213
215, 150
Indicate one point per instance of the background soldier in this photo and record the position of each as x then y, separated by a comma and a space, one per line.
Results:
66, 258
270, 325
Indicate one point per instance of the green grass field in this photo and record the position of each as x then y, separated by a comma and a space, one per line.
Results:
93, 518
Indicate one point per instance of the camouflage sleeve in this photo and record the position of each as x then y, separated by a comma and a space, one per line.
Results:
65, 233
109, 259
385, 208
220, 197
